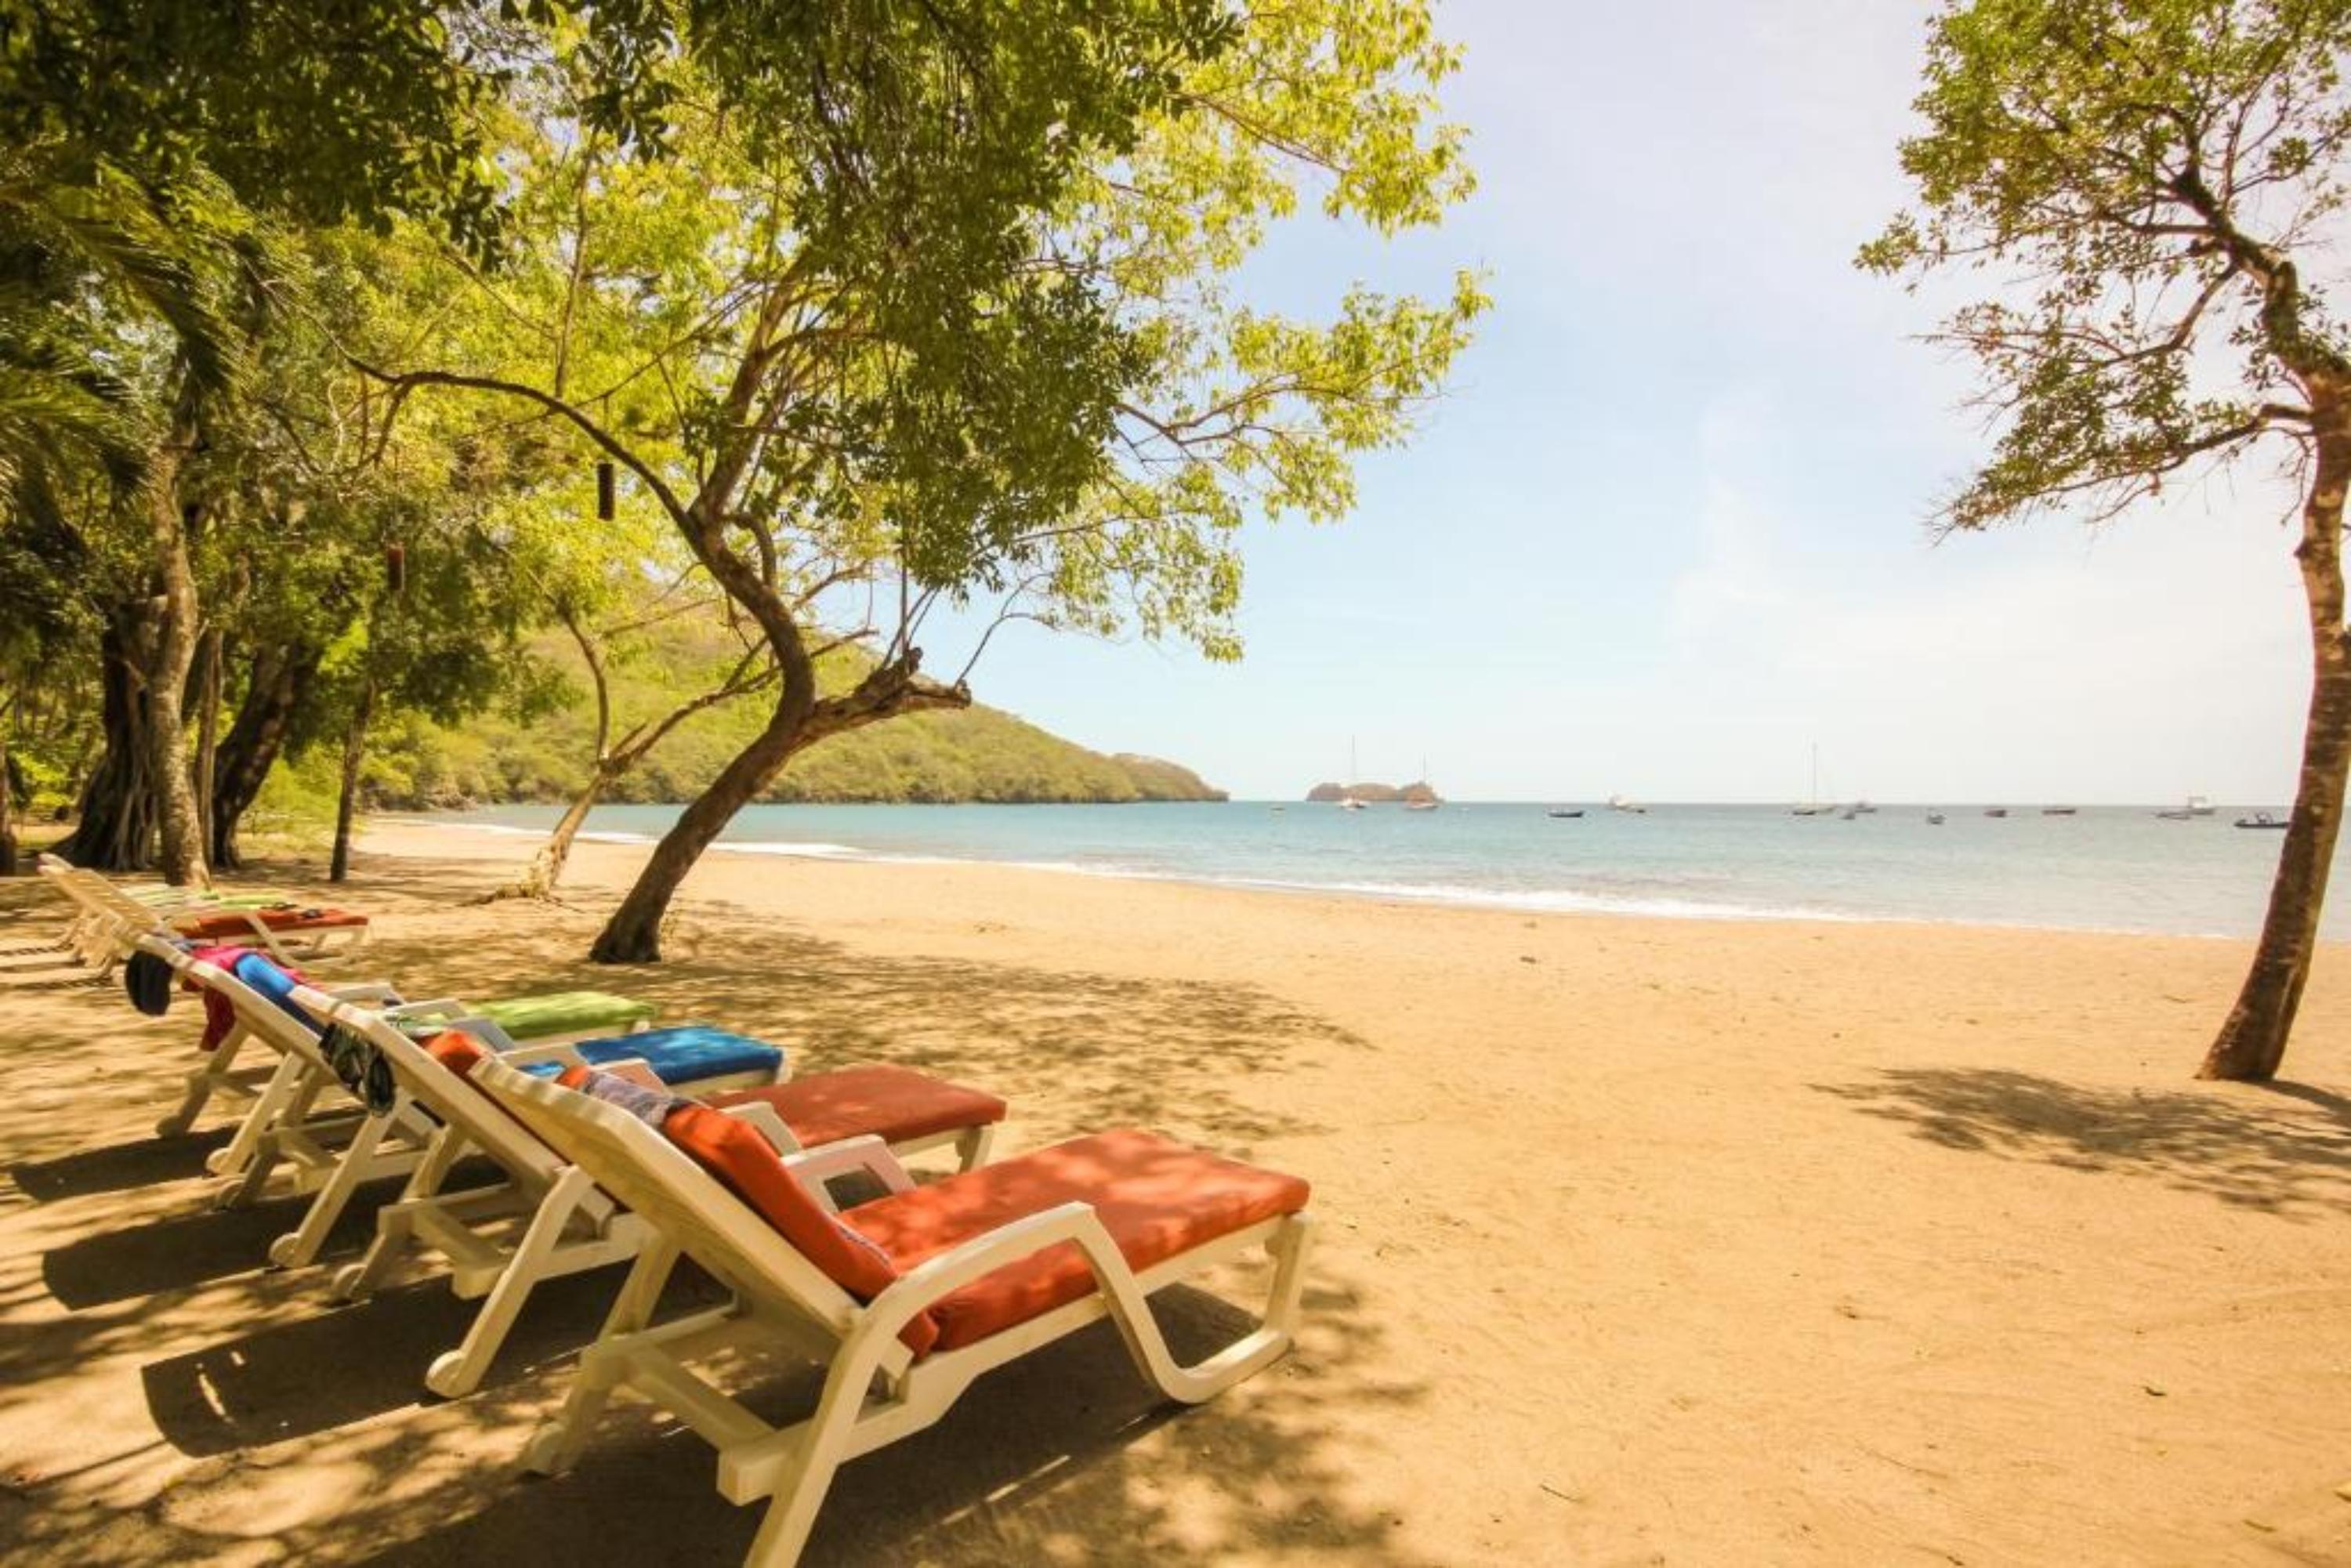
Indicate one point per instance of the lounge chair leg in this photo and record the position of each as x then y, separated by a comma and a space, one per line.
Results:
1287, 1249
972, 1148
259, 1118
300, 1247
556, 1447
799, 1491
1245, 1357
395, 1222
458, 1371
217, 1063
783, 1534
285, 1126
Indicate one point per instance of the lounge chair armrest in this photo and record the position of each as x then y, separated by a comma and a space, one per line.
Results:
566, 1051
868, 1154
378, 991
951, 1270
770, 1126
322, 1001
431, 1010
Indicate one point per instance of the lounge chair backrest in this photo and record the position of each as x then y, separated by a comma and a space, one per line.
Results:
452, 1098
97, 893
93, 896
645, 1172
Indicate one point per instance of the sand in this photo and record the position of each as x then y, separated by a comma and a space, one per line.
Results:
1643, 1241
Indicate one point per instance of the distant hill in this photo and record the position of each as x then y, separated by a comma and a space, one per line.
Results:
981, 754
1330, 794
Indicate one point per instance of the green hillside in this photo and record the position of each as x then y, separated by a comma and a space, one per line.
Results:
980, 754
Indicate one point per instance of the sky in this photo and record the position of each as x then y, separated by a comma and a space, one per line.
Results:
1667, 533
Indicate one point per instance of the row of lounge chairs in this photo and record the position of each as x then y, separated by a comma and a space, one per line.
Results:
614, 1138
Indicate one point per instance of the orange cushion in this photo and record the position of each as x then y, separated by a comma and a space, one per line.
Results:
894, 1102
232, 923
457, 1051
732, 1151
1157, 1200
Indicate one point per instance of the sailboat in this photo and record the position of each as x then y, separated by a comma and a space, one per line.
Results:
1812, 806
1419, 803
1347, 801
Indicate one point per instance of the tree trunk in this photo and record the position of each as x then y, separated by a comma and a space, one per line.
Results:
2252, 1041
207, 684
546, 866
279, 684
9, 787
633, 934
115, 830
177, 628
347, 805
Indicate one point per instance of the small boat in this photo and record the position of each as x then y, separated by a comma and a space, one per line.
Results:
1995, 811
1348, 803
1618, 803
2264, 819
1862, 809
1850, 812
1934, 819
2199, 806
1813, 806
1279, 810
2181, 815
2060, 811
1422, 803
1562, 813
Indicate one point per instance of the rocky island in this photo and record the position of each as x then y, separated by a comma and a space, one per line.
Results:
1373, 794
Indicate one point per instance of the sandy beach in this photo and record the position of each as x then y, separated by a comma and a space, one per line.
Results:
1642, 1242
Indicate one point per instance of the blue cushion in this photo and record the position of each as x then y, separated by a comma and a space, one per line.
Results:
268, 980
689, 1054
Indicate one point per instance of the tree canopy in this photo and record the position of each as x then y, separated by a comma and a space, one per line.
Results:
332, 388
2144, 186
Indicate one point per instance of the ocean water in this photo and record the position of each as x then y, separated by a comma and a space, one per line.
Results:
2107, 868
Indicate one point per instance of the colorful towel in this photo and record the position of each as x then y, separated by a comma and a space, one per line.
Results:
361, 1066
147, 981
564, 1012
267, 979
650, 1106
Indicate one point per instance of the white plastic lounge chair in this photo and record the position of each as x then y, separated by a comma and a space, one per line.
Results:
110, 916
691, 1056
909, 1297
91, 937
547, 1220
282, 1123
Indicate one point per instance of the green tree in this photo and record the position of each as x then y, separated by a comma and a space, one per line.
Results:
2148, 178
960, 327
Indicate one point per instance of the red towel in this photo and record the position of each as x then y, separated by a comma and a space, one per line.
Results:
220, 1013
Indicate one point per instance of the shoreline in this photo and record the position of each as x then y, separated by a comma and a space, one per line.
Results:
1570, 905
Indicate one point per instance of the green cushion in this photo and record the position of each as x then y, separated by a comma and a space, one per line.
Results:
564, 1012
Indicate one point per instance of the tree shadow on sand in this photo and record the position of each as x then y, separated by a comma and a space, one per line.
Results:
1104, 1050
1064, 1455
118, 1167
2284, 1149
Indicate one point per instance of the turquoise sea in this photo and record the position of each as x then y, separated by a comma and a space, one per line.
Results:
2106, 868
